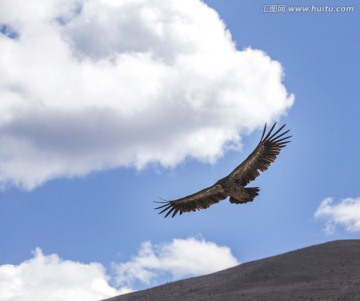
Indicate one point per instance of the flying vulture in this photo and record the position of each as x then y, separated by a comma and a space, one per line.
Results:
233, 185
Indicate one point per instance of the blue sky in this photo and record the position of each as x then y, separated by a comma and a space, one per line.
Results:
70, 189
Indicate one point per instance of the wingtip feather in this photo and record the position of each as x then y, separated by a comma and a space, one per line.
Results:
269, 132
263, 133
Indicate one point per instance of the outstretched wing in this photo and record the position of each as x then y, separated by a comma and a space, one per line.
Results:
197, 201
263, 155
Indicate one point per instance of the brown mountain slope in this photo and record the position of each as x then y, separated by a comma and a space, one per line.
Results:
329, 271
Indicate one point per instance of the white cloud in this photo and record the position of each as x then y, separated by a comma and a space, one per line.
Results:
47, 277
180, 258
345, 213
88, 85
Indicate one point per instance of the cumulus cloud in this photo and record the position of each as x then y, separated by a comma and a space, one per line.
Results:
180, 258
47, 277
345, 213
88, 85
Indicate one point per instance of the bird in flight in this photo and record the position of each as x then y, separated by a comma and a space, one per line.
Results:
233, 185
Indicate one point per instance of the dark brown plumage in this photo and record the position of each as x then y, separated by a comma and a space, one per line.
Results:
233, 185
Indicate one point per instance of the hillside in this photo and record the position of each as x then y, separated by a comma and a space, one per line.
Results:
329, 271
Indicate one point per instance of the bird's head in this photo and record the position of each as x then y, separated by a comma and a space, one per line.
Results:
218, 188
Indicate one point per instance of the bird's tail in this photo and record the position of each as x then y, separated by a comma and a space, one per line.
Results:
252, 193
